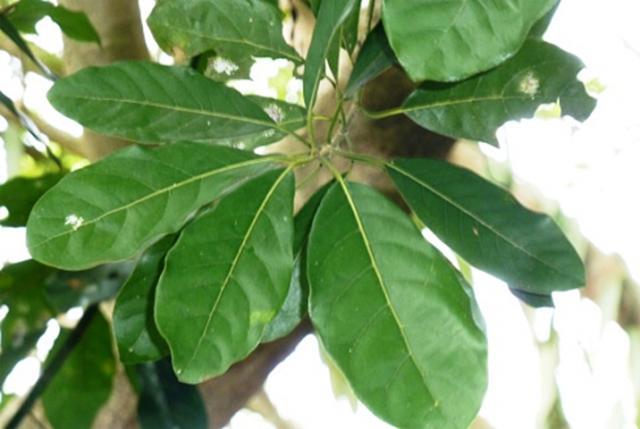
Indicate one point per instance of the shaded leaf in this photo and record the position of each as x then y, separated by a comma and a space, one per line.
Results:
226, 277
532, 299
165, 403
475, 108
393, 314
12, 33
151, 103
26, 14
112, 210
18, 196
487, 226
375, 57
452, 40
541, 26
83, 384
135, 329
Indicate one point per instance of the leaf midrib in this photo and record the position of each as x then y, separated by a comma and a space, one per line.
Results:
154, 194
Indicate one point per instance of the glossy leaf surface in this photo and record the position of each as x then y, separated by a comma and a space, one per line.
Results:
226, 277
135, 329
395, 317
151, 103
117, 207
486, 226
475, 108
452, 40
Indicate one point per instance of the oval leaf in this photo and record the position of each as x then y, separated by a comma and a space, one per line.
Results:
452, 40
113, 209
486, 226
393, 314
227, 277
135, 329
151, 103
475, 108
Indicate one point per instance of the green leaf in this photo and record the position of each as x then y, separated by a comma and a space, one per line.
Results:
75, 25
289, 117
226, 277
486, 226
18, 196
135, 329
11, 32
351, 28
541, 26
331, 16
533, 299
151, 103
83, 384
234, 29
393, 314
112, 210
295, 305
375, 57
475, 108
449, 41
165, 403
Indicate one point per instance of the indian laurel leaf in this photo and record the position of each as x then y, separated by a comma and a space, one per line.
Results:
475, 108
487, 226
227, 277
393, 314
152, 103
452, 40
112, 210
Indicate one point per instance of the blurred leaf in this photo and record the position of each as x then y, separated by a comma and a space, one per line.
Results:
135, 329
165, 403
83, 384
393, 314
226, 277
485, 225
126, 100
16, 351
474, 109
452, 40
533, 299
8, 28
18, 196
75, 25
375, 57
132, 198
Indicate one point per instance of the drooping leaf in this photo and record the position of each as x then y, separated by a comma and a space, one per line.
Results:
83, 384
75, 25
135, 329
486, 226
151, 103
375, 57
165, 403
475, 108
331, 15
533, 299
18, 196
114, 209
449, 41
295, 305
233, 29
11, 32
226, 277
392, 313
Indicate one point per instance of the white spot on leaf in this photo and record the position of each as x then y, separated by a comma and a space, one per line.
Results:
222, 65
529, 84
74, 220
274, 112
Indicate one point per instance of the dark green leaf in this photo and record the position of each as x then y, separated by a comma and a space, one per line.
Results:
541, 26
75, 25
475, 108
533, 299
83, 384
487, 227
393, 314
165, 403
135, 329
331, 16
289, 117
114, 209
375, 57
233, 29
8, 28
151, 103
227, 277
351, 27
449, 41
20, 194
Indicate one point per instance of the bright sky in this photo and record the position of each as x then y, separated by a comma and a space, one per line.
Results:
591, 170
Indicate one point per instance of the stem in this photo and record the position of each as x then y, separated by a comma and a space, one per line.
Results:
372, 7
376, 162
384, 113
54, 366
